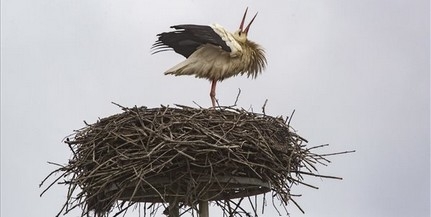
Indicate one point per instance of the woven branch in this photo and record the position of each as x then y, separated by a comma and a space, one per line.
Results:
183, 155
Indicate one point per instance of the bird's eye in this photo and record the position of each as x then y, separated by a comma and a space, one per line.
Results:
239, 33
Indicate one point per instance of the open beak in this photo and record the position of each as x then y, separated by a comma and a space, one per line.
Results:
241, 26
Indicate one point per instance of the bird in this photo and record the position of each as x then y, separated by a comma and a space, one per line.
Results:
212, 52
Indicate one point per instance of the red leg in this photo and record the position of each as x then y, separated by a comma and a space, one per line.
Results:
212, 93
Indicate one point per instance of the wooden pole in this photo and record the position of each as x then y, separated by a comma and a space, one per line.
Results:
203, 209
174, 209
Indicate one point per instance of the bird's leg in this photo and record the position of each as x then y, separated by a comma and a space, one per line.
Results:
212, 93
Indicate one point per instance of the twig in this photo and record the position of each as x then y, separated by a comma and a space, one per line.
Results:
263, 107
237, 97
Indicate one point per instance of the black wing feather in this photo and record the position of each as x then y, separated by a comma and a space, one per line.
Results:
187, 38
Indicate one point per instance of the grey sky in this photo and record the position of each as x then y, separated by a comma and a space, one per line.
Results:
357, 73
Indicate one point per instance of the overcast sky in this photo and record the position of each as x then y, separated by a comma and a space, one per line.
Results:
357, 73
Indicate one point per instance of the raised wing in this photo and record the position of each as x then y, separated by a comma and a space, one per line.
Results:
187, 38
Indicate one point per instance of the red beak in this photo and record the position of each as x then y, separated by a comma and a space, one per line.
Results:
242, 22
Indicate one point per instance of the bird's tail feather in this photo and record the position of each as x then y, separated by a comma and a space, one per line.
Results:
179, 69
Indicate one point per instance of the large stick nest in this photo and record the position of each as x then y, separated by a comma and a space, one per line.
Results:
183, 155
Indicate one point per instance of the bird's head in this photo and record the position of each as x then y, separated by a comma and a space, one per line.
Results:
241, 33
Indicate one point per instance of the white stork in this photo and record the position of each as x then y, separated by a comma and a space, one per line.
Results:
212, 52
